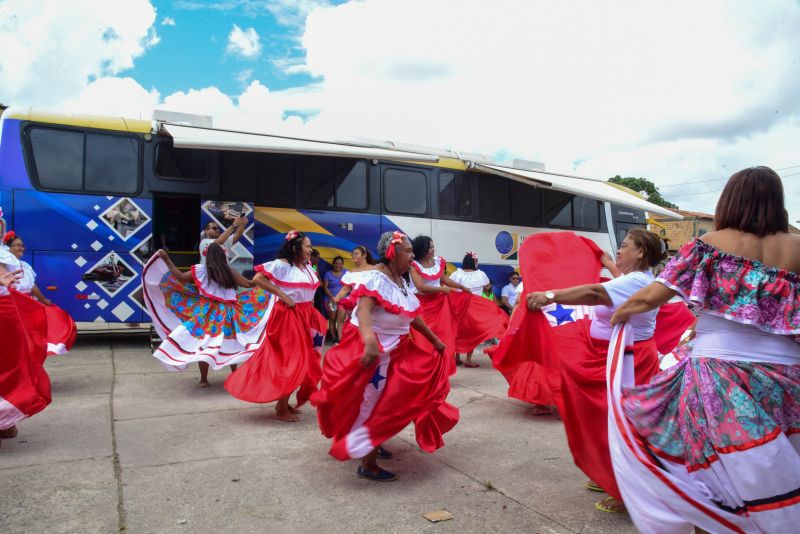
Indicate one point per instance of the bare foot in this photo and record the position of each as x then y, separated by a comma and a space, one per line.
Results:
540, 409
286, 415
203, 384
295, 410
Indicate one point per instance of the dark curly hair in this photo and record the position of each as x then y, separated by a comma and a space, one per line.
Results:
292, 249
421, 246
469, 262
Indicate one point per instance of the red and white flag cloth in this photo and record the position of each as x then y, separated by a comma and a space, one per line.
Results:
24, 384
61, 331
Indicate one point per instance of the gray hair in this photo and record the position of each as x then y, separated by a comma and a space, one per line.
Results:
384, 242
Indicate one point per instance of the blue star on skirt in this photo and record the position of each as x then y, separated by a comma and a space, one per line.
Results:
377, 377
318, 339
562, 314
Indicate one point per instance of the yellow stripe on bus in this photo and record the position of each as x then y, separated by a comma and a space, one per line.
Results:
285, 219
88, 121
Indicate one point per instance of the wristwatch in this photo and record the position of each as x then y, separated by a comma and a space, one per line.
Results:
550, 296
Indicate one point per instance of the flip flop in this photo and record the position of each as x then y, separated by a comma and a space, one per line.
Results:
471, 365
593, 486
606, 505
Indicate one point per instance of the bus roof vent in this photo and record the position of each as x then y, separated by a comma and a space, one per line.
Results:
184, 119
527, 165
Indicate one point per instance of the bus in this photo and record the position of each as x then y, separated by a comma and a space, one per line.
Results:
94, 197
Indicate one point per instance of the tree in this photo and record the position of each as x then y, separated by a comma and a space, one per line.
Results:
645, 187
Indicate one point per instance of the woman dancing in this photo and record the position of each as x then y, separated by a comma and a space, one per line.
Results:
378, 379
199, 314
713, 440
289, 359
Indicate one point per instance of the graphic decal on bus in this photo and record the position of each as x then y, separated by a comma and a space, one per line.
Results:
125, 218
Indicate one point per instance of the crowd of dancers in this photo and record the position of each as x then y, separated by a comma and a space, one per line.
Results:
709, 440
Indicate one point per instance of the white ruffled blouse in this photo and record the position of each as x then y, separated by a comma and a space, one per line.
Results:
299, 284
472, 280
210, 289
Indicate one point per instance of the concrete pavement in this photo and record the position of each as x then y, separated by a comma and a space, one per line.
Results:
127, 446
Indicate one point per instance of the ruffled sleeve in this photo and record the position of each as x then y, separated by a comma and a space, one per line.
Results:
210, 289
8, 259
431, 273
386, 293
282, 273
736, 288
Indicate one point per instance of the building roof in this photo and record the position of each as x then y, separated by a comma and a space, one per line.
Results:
690, 214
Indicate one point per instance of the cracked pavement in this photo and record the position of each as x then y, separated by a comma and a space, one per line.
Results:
127, 446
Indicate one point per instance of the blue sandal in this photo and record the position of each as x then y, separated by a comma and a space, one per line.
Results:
381, 476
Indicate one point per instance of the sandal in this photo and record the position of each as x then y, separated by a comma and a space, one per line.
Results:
382, 475
610, 505
591, 485
541, 409
471, 365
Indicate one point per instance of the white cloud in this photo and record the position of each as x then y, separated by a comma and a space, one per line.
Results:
244, 43
54, 49
168, 21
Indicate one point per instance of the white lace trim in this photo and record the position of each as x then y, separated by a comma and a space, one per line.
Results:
388, 292
436, 270
283, 272
25, 285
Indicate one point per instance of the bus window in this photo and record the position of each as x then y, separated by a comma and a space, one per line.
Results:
493, 195
586, 213
351, 184
276, 180
238, 175
58, 158
526, 204
455, 195
182, 163
557, 208
67, 160
405, 192
316, 182
112, 164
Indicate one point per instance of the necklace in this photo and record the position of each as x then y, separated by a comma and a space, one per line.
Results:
400, 284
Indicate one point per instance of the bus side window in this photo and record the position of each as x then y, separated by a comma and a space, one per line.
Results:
405, 192
455, 195
557, 208
277, 180
526, 205
58, 158
69, 160
493, 195
586, 213
182, 163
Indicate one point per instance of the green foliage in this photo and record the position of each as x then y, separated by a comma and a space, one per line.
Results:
644, 186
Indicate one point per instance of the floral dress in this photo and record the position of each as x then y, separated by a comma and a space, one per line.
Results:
714, 441
200, 321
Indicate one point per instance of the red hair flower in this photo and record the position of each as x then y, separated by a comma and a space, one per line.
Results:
8, 236
292, 235
397, 238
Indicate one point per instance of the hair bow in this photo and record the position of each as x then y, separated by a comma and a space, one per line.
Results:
292, 235
397, 237
8, 236
473, 255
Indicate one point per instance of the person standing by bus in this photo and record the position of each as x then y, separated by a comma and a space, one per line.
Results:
61, 329
213, 234
482, 319
289, 359
379, 379
331, 285
509, 293
433, 286
200, 315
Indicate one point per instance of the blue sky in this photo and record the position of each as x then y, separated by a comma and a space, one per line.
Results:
192, 53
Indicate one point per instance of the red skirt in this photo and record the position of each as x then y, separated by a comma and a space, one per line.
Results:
481, 320
361, 408
438, 314
61, 330
288, 360
24, 384
584, 403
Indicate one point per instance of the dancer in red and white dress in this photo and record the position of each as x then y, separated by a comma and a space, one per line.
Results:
581, 348
289, 359
714, 441
61, 329
24, 384
379, 379
433, 288
200, 315
482, 319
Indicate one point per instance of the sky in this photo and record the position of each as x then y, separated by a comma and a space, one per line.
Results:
682, 93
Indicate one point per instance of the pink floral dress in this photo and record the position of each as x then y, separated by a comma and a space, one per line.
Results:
724, 423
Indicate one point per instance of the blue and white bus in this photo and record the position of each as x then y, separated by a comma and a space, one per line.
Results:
93, 197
